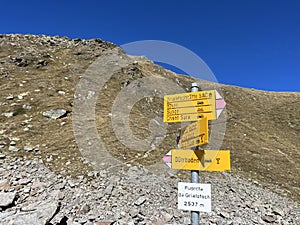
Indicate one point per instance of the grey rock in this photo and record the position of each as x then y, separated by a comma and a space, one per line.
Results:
38, 213
90, 174
71, 183
62, 185
224, 214
82, 221
10, 97
7, 199
8, 114
6, 214
28, 148
103, 174
12, 143
27, 106
24, 181
60, 195
26, 190
38, 185
14, 139
167, 217
13, 148
109, 189
85, 208
4, 185
133, 212
21, 96
140, 201
55, 114
269, 218
278, 211
2, 155
73, 223
42, 63
61, 92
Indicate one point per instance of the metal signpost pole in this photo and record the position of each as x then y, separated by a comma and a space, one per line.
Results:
194, 173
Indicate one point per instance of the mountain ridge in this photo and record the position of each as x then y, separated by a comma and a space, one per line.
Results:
40, 73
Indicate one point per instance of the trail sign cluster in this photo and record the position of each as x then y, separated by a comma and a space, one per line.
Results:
193, 106
198, 107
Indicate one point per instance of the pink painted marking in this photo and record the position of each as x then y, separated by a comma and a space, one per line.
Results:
220, 104
167, 158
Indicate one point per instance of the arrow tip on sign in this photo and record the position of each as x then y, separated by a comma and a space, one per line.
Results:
219, 111
168, 158
218, 96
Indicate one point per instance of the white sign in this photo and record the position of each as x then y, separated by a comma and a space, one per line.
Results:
194, 197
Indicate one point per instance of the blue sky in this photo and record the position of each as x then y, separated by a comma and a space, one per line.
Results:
253, 44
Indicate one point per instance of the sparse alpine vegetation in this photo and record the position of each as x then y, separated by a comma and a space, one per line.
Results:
43, 170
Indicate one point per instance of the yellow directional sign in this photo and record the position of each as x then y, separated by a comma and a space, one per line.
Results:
187, 110
195, 134
208, 160
194, 103
183, 117
190, 106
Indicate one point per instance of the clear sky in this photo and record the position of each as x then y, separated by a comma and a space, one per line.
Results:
253, 44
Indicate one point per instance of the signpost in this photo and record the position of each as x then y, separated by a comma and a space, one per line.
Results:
195, 178
195, 134
199, 106
202, 160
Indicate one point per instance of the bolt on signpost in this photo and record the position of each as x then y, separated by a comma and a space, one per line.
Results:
199, 106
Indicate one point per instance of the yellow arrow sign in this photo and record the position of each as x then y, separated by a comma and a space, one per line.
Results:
187, 110
193, 103
195, 134
185, 117
190, 106
208, 160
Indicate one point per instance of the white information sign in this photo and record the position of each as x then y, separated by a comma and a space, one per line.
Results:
194, 197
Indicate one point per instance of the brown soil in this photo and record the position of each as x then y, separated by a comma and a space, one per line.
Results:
262, 128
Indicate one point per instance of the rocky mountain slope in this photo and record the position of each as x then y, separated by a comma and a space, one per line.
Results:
42, 162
